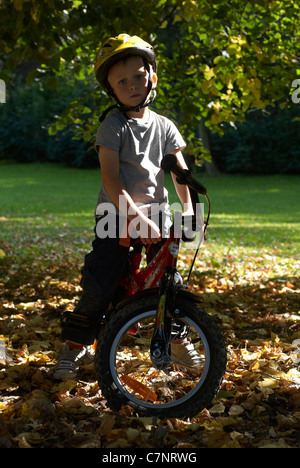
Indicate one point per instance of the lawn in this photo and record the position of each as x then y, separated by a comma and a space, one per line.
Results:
45, 207
247, 275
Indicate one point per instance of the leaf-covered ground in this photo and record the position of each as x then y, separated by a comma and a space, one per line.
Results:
256, 303
247, 274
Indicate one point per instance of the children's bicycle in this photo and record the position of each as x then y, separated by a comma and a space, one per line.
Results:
159, 352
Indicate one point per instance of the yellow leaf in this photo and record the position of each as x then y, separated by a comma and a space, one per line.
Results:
248, 356
38, 358
254, 366
30, 306
268, 383
29, 437
216, 119
226, 421
2, 406
211, 425
209, 73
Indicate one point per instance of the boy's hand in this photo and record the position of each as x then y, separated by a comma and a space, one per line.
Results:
148, 231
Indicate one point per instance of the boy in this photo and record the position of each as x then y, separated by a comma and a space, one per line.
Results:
131, 142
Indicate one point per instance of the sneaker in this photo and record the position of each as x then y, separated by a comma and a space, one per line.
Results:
70, 359
185, 355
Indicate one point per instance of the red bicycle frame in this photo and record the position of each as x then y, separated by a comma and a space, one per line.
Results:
149, 277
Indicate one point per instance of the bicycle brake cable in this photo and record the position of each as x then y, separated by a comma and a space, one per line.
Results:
200, 241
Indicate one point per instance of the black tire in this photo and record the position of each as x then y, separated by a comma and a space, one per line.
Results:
177, 391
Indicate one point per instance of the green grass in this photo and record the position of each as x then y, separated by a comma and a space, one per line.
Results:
255, 209
47, 207
31, 190
262, 210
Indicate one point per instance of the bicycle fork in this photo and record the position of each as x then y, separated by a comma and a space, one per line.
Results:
160, 342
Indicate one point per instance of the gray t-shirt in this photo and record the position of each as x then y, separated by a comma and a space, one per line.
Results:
141, 145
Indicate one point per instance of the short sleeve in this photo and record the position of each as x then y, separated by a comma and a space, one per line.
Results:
174, 140
109, 133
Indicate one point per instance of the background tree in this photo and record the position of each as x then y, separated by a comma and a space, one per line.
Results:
217, 60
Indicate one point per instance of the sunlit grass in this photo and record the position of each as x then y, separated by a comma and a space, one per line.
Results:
46, 208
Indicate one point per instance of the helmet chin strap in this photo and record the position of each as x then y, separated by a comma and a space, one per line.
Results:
125, 109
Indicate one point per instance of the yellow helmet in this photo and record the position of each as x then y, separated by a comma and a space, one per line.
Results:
118, 47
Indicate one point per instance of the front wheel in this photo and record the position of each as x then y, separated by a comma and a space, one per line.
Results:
182, 388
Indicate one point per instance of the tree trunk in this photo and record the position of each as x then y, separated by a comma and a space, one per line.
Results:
210, 166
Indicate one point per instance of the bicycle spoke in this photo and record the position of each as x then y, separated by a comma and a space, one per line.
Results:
142, 379
183, 383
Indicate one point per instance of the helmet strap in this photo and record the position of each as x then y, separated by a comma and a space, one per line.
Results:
125, 109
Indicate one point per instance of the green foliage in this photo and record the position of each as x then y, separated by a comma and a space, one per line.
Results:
217, 59
22, 135
237, 56
25, 125
263, 144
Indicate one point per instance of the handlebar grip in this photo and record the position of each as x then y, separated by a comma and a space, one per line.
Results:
169, 161
169, 164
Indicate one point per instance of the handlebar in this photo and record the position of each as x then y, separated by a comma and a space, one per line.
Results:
169, 164
183, 177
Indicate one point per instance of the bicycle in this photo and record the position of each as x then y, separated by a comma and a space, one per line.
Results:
136, 362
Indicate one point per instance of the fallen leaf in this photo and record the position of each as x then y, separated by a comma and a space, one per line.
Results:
217, 408
106, 425
236, 410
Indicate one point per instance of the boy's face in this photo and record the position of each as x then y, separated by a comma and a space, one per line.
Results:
129, 80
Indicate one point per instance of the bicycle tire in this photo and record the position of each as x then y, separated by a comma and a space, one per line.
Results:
112, 362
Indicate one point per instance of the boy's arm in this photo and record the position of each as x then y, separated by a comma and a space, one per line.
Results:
109, 162
182, 190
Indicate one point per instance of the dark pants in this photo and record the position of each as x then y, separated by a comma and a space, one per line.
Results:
103, 268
